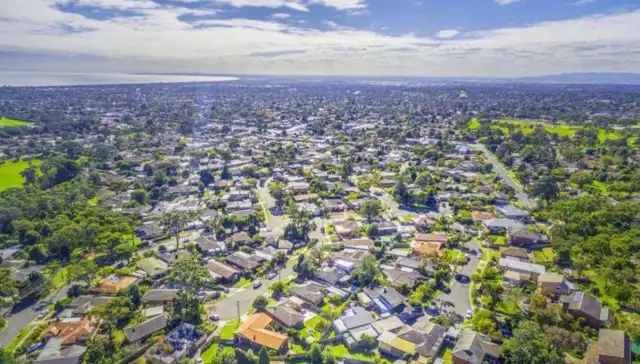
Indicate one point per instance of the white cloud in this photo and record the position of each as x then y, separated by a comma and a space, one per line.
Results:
291, 4
447, 33
342, 4
158, 41
280, 16
582, 2
506, 2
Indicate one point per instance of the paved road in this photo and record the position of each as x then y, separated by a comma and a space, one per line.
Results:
522, 196
459, 295
393, 208
227, 308
27, 313
275, 222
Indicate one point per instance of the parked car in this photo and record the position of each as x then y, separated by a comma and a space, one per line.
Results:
469, 314
214, 317
43, 313
257, 284
272, 275
36, 346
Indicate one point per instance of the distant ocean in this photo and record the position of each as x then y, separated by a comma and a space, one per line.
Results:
21, 78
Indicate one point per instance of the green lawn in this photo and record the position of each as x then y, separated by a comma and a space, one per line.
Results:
474, 124
242, 283
604, 135
455, 256
602, 187
12, 123
507, 307
311, 324
342, 352
229, 329
546, 255
60, 277
209, 354
488, 254
10, 173
13, 344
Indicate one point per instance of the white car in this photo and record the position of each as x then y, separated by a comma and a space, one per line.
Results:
257, 284
43, 313
469, 314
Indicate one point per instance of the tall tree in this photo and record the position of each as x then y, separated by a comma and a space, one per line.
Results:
528, 346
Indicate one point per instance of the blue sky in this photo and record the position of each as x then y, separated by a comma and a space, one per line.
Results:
495, 38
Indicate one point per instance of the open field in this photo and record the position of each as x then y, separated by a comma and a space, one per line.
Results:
10, 173
604, 135
527, 127
12, 123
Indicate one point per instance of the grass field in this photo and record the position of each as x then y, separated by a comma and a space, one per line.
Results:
341, 351
13, 344
604, 135
227, 331
12, 123
447, 356
10, 173
507, 307
209, 354
474, 124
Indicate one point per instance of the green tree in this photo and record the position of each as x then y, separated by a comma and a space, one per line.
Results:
260, 302
315, 354
263, 357
367, 270
370, 209
528, 346
174, 222
139, 196
224, 357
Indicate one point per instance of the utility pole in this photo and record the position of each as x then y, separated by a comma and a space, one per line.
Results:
238, 305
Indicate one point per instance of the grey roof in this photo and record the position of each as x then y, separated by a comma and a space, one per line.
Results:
408, 262
310, 292
510, 210
241, 261
586, 303
502, 224
164, 295
146, 328
512, 264
91, 300
399, 276
54, 354
360, 317
285, 315
221, 270
389, 294
614, 343
330, 274
472, 347
428, 341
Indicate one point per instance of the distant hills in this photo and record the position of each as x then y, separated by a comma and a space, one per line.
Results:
599, 78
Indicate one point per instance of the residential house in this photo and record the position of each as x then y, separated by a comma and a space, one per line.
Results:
255, 332
361, 243
402, 276
347, 229
427, 248
387, 228
209, 245
424, 223
353, 318
429, 339
555, 284
241, 238
580, 304
514, 253
73, 331
138, 333
159, 297
431, 238
529, 271
334, 205
285, 315
386, 299
310, 292
113, 284
153, 267
614, 347
477, 215
150, 230
393, 345
496, 226
512, 212
221, 272
244, 261
55, 353
330, 275
475, 348
521, 236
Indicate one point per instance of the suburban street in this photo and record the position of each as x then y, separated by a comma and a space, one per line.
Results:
460, 295
522, 196
393, 207
227, 308
26, 314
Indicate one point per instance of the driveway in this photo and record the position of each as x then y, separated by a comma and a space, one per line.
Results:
227, 308
459, 296
522, 196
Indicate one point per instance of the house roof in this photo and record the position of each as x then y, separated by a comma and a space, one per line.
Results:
330, 275
512, 251
146, 328
440, 238
222, 270
70, 332
428, 247
613, 343
54, 354
163, 295
310, 292
510, 210
502, 223
285, 315
472, 347
586, 303
512, 264
152, 266
113, 284
255, 330
402, 276
362, 243
550, 278
390, 323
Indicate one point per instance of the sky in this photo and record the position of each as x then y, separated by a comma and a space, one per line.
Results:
434, 38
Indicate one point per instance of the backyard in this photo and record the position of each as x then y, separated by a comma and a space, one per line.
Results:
229, 329
10, 173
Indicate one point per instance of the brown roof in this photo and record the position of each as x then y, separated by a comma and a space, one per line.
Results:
255, 329
221, 269
428, 247
614, 343
482, 215
69, 332
113, 285
440, 238
514, 252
